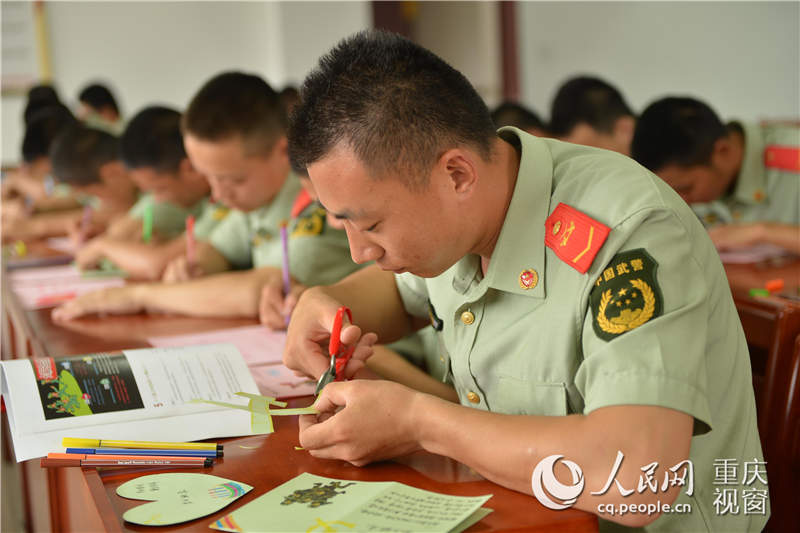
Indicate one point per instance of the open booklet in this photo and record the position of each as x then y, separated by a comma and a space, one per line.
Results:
130, 395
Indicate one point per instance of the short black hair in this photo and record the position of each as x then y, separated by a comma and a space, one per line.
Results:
235, 104
676, 130
394, 103
588, 100
514, 114
289, 96
42, 129
78, 153
97, 96
153, 139
43, 91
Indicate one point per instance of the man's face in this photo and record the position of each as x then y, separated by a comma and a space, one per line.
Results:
400, 229
695, 184
164, 186
238, 179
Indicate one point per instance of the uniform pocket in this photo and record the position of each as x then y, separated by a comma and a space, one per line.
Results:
520, 397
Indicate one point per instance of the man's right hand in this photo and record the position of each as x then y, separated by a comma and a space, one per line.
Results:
114, 300
180, 269
309, 333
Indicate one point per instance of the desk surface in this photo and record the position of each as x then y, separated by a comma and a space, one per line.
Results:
267, 461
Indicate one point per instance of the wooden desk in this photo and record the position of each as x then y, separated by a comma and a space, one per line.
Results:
772, 328
71, 499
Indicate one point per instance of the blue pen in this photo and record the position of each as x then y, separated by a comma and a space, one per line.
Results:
147, 451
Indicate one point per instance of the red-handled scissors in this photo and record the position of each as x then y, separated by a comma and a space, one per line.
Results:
340, 354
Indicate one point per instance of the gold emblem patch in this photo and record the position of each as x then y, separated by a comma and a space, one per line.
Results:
311, 225
626, 295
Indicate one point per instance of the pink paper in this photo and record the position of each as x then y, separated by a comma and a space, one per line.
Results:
43, 275
257, 344
38, 295
62, 244
280, 382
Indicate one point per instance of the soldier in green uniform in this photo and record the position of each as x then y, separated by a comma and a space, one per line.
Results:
742, 180
152, 150
234, 134
584, 309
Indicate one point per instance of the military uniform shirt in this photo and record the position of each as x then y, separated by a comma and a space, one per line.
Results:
318, 253
761, 193
210, 214
651, 322
169, 220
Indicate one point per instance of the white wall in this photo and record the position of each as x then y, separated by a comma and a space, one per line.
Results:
466, 35
741, 58
161, 52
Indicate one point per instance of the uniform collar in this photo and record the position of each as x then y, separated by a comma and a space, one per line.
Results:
751, 183
520, 246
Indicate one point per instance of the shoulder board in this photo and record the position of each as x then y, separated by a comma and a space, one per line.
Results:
782, 158
301, 201
574, 237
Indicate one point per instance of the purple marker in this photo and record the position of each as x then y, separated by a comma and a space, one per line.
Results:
285, 243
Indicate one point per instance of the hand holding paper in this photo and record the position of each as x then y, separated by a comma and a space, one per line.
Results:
361, 421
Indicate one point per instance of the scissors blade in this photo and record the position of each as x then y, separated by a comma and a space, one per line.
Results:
326, 377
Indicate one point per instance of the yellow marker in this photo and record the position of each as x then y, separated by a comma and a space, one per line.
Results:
68, 442
20, 249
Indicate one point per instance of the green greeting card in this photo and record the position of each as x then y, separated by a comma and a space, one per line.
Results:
178, 497
311, 503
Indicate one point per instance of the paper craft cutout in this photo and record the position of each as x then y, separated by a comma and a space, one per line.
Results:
178, 497
260, 413
313, 503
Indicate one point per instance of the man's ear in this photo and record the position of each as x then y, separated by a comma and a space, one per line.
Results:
623, 133
723, 155
111, 172
459, 169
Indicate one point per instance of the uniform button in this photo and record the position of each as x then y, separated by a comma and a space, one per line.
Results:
737, 215
556, 227
758, 195
474, 398
467, 317
441, 358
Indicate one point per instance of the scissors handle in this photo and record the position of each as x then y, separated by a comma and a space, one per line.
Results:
338, 352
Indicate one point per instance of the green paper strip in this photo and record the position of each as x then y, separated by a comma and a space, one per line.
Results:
295, 411
269, 399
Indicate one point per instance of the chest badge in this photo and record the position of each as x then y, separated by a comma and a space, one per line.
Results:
528, 279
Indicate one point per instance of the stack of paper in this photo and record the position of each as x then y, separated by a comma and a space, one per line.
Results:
37, 288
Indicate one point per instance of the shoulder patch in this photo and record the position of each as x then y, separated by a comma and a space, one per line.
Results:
310, 225
626, 295
782, 158
219, 212
301, 201
574, 237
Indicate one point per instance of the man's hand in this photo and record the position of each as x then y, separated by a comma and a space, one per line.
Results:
180, 269
114, 300
728, 236
306, 350
361, 421
274, 309
79, 233
90, 255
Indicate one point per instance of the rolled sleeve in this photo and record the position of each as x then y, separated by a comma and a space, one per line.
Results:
662, 362
232, 239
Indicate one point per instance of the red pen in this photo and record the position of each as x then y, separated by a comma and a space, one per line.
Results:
53, 299
190, 242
